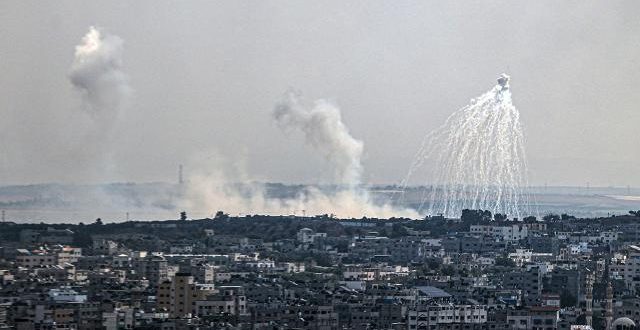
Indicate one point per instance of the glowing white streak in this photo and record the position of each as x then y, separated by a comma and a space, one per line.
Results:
479, 158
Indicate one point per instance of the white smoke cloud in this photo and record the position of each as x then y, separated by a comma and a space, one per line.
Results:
97, 73
208, 192
324, 130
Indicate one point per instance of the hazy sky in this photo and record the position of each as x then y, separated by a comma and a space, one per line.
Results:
205, 76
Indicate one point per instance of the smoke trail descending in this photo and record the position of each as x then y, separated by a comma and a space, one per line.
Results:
324, 130
97, 73
479, 158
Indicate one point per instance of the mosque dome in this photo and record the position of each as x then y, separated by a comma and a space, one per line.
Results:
623, 323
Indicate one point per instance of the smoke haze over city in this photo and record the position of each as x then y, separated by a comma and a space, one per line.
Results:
281, 164
206, 76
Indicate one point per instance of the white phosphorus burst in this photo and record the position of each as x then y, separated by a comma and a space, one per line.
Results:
478, 158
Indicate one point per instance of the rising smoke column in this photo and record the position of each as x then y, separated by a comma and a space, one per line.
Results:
324, 130
97, 74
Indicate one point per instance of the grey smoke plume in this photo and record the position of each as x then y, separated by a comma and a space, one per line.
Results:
214, 187
324, 130
97, 73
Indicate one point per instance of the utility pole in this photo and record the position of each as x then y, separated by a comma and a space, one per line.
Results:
4, 214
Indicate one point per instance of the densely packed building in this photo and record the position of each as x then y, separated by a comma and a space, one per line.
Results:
261, 272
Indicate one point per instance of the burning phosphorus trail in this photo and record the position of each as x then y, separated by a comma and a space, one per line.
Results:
477, 158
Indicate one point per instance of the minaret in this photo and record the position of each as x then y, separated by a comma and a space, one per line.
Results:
588, 297
608, 315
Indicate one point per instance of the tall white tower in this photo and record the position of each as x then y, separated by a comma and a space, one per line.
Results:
588, 297
608, 315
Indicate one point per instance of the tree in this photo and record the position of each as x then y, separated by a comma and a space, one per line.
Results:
567, 299
183, 215
433, 263
551, 217
468, 216
475, 215
505, 262
220, 215
397, 230
500, 217
98, 222
448, 270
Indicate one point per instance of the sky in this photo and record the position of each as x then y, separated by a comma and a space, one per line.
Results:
205, 75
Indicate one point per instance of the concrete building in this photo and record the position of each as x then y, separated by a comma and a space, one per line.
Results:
307, 236
104, 246
628, 269
31, 259
504, 231
153, 268
226, 299
436, 315
528, 281
534, 318
179, 296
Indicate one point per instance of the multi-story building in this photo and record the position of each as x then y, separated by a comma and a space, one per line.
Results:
473, 244
534, 318
30, 259
436, 315
528, 281
565, 281
307, 235
154, 268
503, 231
628, 269
47, 236
179, 296
104, 246
226, 299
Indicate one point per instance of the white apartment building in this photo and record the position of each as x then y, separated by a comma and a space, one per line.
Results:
428, 316
628, 269
505, 232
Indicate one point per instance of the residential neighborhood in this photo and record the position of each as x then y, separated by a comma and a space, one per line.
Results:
291, 272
